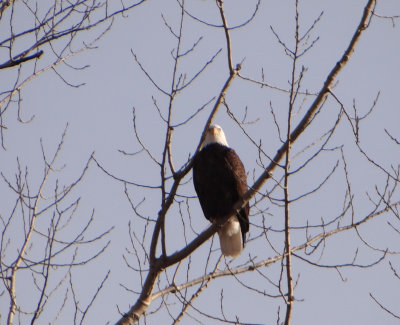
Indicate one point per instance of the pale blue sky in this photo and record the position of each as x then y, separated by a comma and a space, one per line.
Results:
99, 115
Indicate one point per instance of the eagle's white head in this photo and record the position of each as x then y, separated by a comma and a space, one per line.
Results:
215, 134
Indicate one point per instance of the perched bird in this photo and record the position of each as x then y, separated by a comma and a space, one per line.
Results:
219, 179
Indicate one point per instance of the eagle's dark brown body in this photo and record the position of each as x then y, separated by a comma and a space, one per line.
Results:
220, 180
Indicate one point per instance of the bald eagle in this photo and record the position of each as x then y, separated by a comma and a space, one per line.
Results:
220, 180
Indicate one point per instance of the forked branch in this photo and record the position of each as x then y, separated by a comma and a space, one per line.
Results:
159, 264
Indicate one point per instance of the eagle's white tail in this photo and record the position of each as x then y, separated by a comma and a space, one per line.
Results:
230, 238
